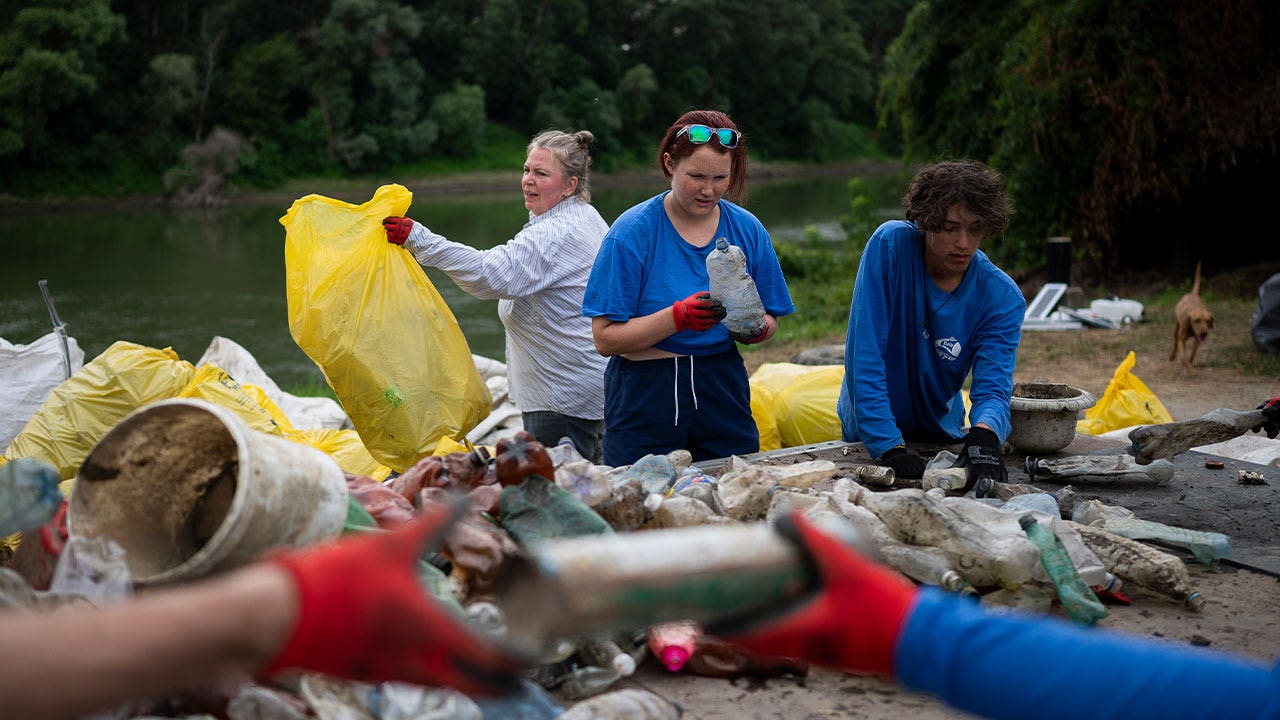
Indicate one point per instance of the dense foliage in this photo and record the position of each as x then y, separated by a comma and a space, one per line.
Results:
120, 87
1145, 129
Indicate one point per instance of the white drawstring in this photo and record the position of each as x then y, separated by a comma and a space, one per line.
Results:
675, 386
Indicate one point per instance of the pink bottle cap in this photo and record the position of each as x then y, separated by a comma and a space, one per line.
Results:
674, 657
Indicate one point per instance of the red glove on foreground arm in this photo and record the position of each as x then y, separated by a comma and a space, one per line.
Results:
364, 616
851, 623
398, 229
697, 312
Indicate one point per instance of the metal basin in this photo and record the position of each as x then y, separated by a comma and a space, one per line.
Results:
1042, 415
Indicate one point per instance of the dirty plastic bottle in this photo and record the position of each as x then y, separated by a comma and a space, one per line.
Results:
488, 617
655, 473
1078, 600
1091, 469
1004, 521
29, 494
530, 702
673, 643
605, 653
625, 704
713, 657
403, 701
926, 565
733, 286
1153, 442
984, 558
1208, 547
588, 680
629, 507
684, 511
579, 475
1142, 565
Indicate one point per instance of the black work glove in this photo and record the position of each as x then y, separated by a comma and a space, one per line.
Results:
906, 464
981, 455
1271, 409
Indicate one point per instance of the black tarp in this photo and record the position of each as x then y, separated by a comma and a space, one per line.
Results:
1266, 316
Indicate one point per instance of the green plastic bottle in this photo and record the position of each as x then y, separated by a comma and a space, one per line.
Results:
1078, 600
537, 509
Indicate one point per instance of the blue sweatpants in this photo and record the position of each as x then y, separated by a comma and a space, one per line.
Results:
701, 404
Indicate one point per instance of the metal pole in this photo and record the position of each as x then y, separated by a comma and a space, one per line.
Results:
58, 326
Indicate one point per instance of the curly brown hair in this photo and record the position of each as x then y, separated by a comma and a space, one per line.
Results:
971, 184
680, 148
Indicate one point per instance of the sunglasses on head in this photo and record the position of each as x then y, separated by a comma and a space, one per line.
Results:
700, 134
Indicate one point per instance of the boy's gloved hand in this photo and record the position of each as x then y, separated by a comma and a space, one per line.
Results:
697, 312
981, 454
852, 621
364, 615
906, 464
398, 229
1271, 409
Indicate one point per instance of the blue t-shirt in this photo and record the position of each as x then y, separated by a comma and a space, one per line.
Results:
1015, 665
644, 265
910, 345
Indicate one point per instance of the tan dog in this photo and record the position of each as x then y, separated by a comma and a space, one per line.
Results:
1191, 324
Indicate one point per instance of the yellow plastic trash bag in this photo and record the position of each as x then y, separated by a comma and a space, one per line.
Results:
213, 384
345, 448
81, 409
762, 402
366, 313
804, 405
1126, 402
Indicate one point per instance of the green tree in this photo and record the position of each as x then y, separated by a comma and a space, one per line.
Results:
459, 115
49, 63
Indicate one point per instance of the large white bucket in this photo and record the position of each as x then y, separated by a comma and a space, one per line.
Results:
186, 488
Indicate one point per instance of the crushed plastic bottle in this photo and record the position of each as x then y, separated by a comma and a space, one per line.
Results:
92, 568
655, 473
629, 507
733, 286
1077, 599
713, 657
605, 653
588, 680
530, 702
579, 475
537, 509
745, 491
402, 701
29, 494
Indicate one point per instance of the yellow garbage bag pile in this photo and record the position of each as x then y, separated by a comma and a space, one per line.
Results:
795, 404
387, 343
1126, 402
126, 376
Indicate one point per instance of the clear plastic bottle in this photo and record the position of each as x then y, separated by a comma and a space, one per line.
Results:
588, 680
606, 653
1208, 547
655, 473
29, 494
1077, 599
731, 284
580, 476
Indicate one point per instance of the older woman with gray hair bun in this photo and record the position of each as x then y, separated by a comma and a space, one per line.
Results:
538, 277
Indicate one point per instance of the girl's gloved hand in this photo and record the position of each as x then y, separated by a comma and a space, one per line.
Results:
853, 619
364, 616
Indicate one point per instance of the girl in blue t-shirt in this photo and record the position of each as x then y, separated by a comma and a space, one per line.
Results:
675, 378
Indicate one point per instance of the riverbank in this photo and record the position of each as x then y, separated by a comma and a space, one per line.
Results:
359, 189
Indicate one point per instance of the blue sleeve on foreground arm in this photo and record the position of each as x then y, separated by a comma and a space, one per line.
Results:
1014, 665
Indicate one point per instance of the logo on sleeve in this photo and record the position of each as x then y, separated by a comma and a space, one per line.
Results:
947, 348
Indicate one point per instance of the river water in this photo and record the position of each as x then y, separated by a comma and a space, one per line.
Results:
167, 278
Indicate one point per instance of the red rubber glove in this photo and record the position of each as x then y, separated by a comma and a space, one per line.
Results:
364, 616
697, 312
1271, 410
853, 620
398, 229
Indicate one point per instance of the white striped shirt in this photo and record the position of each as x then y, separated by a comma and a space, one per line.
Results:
539, 277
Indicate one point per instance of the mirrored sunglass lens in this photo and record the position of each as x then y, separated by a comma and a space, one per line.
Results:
727, 137
699, 134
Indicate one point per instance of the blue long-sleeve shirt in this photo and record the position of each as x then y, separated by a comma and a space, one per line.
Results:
1012, 665
911, 345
